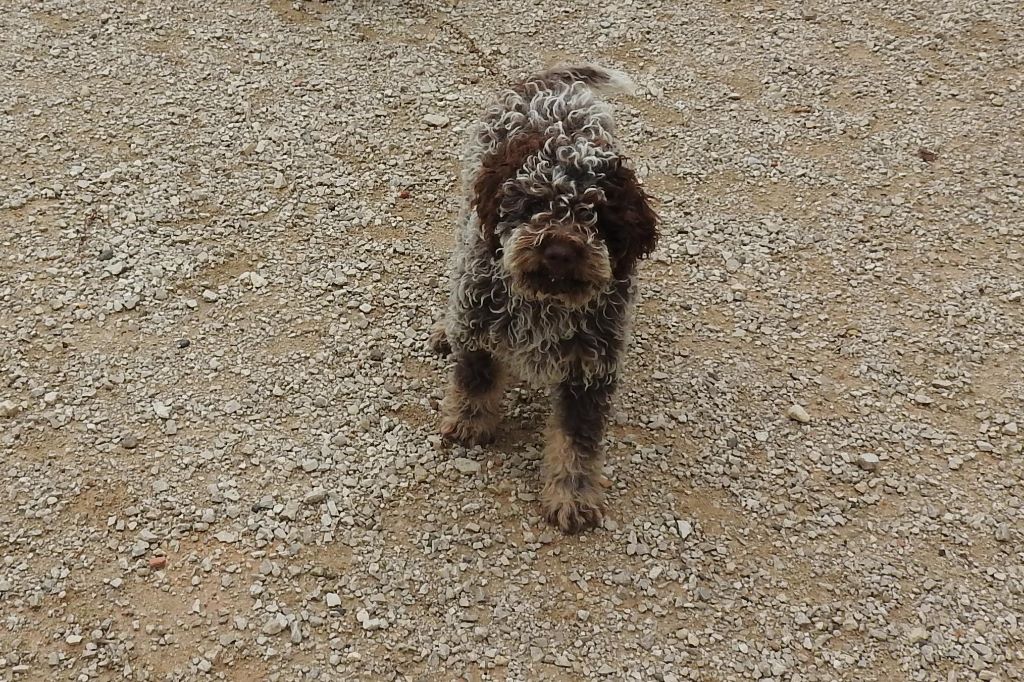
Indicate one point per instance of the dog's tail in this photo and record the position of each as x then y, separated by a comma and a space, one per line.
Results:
596, 77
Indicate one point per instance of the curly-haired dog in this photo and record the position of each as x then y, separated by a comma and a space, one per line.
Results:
543, 275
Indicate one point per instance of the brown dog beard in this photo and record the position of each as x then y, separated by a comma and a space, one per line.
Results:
522, 258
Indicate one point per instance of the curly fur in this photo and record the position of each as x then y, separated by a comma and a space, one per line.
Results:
543, 174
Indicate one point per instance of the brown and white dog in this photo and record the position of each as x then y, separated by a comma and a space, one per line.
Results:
543, 275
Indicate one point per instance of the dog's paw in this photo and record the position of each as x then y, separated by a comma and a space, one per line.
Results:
467, 431
572, 510
438, 340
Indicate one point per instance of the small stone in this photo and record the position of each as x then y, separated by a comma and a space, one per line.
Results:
209, 295
868, 461
798, 414
129, 442
291, 510
275, 625
73, 639
257, 281
161, 410
157, 562
9, 408
227, 536
917, 635
1010, 428
279, 181
435, 120
106, 253
693, 249
1002, 532
923, 399
315, 496
333, 600
466, 466
684, 528
232, 406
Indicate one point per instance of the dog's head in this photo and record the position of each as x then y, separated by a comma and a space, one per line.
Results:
562, 217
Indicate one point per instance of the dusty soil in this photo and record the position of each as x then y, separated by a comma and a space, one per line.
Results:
224, 228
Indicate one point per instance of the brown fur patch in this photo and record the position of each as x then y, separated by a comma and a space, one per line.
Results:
627, 222
495, 168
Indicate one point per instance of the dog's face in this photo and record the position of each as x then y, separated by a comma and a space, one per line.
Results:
562, 218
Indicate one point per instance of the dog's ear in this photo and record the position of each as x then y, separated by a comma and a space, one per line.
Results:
626, 221
496, 168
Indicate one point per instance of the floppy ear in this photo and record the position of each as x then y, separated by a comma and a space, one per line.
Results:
496, 168
626, 221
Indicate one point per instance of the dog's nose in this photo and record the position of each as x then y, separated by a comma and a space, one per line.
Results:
559, 258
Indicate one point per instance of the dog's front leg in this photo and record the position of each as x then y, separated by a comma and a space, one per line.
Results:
471, 407
572, 495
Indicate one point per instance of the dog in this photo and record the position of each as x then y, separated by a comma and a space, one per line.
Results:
543, 275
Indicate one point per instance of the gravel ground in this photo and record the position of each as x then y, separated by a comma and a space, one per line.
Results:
225, 227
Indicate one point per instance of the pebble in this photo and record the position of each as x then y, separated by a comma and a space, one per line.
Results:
315, 496
917, 635
684, 528
798, 414
275, 625
161, 410
868, 461
466, 466
435, 120
291, 510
